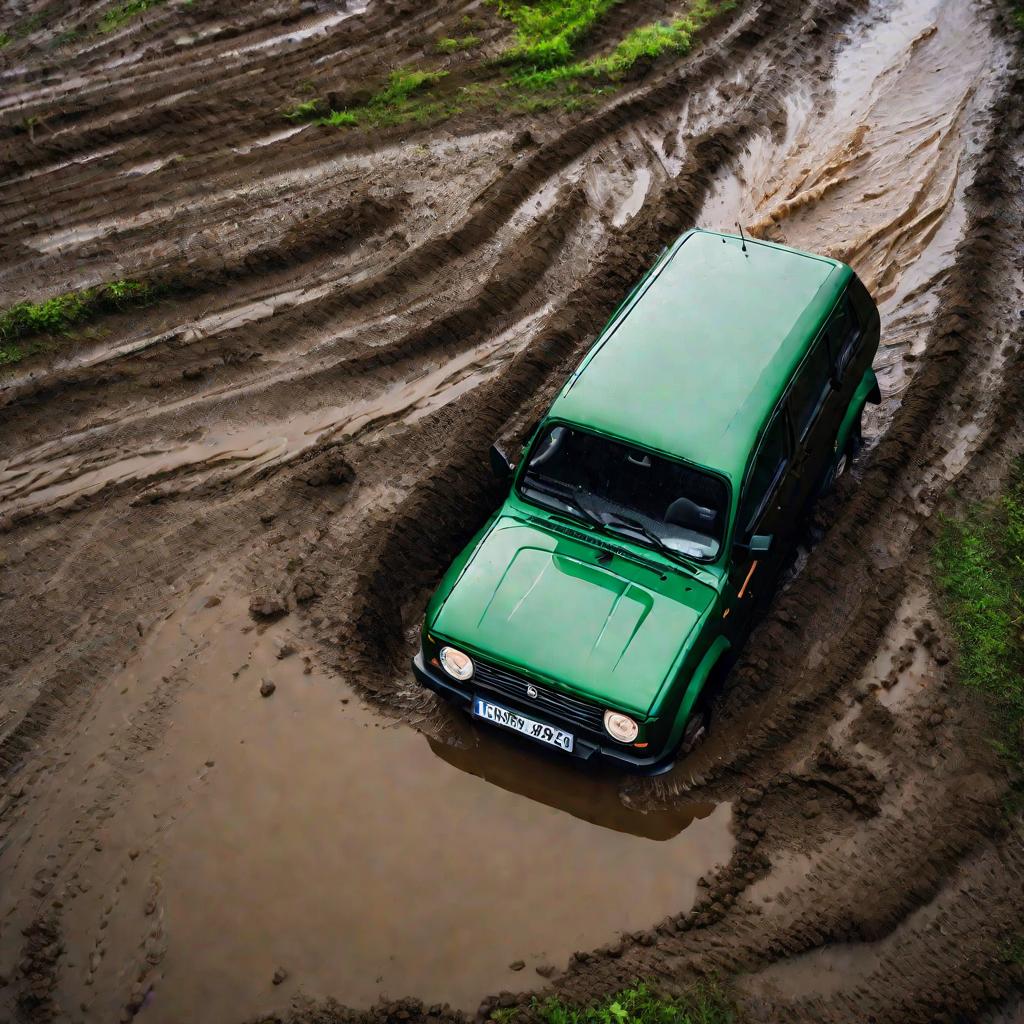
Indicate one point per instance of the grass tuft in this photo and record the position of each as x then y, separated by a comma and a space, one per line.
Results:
305, 111
447, 44
124, 12
4, 39
979, 564
398, 101
647, 42
59, 314
341, 119
402, 84
704, 1004
547, 31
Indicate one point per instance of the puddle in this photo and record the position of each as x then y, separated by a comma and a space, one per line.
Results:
269, 140
149, 166
788, 871
303, 831
841, 966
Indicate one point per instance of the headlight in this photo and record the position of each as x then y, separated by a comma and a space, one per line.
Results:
455, 663
620, 727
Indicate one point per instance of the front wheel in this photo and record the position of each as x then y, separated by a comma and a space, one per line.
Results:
696, 731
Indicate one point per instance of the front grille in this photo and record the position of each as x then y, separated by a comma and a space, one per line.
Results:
559, 706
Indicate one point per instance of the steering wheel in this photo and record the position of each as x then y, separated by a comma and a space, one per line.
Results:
687, 513
549, 447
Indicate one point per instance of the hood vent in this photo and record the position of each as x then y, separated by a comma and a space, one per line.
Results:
598, 542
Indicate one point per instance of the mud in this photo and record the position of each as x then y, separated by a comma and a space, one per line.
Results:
346, 321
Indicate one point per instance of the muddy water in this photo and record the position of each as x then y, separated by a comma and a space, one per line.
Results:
303, 831
874, 172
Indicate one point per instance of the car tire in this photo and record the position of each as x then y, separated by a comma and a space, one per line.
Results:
696, 731
851, 450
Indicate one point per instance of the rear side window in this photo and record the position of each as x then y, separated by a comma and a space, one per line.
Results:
810, 389
766, 472
842, 333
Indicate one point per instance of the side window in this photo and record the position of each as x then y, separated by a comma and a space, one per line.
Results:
810, 389
843, 333
766, 472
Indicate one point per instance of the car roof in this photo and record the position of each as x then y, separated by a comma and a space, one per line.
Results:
694, 363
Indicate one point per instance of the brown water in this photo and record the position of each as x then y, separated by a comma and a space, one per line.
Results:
363, 858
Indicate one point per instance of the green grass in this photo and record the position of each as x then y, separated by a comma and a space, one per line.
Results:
448, 44
547, 31
540, 61
647, 42
4, 39
979, 564
305, 111
704, 1004
28, 320
122, 13
399, 100
402, 84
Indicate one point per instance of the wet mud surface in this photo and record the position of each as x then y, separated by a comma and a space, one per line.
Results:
258, 478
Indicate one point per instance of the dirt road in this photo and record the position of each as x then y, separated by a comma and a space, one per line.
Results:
347, 318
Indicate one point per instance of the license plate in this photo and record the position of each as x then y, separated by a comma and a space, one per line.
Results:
520, 723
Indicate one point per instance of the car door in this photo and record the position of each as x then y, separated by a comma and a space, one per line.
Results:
763, 509
815, 411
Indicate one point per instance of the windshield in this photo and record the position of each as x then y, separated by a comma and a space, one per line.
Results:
652, 500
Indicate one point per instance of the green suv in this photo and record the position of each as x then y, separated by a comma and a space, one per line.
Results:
656, 500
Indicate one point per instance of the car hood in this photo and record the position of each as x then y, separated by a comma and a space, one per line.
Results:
540, 602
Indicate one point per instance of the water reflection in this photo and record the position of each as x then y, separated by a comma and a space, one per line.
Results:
588, 793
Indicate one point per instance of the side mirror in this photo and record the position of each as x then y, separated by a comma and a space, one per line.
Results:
760, 544
501, 466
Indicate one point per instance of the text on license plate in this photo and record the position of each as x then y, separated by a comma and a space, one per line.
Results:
520, 723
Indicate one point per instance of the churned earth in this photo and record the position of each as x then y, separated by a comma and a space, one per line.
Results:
222, 797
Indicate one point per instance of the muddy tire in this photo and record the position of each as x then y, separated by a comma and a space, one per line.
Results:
854, 443
699, 725
696, 731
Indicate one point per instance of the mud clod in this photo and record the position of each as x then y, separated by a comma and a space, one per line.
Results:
267, 688
267, 606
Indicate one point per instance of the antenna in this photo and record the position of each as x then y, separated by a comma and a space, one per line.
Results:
743, 240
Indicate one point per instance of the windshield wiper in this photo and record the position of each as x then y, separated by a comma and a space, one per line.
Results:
616, 518
567, 499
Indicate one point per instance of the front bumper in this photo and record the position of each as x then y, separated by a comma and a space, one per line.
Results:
584, 748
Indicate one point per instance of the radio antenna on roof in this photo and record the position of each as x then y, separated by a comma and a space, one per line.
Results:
743, 240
